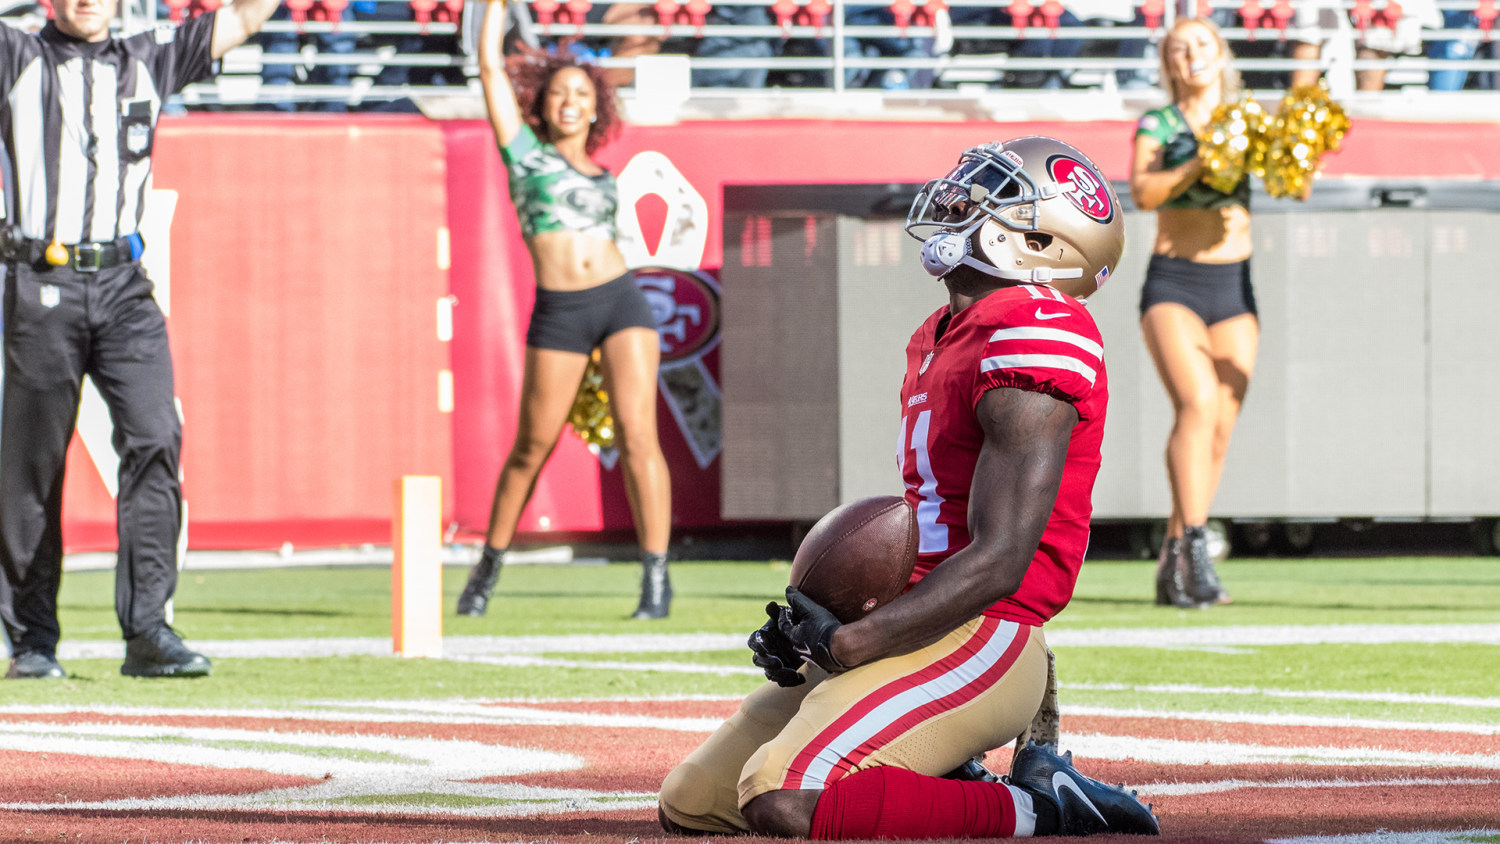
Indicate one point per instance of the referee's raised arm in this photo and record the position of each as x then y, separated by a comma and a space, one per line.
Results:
238, 21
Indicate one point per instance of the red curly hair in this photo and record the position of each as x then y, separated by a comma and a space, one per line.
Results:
531, 71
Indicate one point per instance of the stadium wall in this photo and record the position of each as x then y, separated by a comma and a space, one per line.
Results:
311, 256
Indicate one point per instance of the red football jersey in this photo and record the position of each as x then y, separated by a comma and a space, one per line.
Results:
1028, 337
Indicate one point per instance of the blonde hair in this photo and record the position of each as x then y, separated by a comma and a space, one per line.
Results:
1229, 77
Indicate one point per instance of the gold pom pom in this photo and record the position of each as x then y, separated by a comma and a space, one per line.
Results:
590, 416
1308, 126
1233, 143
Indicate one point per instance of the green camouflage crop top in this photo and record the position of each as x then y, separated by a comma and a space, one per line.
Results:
552, 195
1168, 126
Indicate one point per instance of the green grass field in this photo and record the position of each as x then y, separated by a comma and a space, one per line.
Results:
1403, 645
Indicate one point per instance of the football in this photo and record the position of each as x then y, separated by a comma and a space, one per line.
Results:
858, 557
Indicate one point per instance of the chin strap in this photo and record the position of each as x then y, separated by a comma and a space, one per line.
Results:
945, 251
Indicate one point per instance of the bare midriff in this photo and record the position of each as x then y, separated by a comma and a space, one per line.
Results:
565, 260
1204, 235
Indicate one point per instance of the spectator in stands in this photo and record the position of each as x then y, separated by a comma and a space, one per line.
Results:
394, 75
281, 75
550, 115
1049, 47
1318, 21
1197, 306
733, 47
899, 46
1464, 48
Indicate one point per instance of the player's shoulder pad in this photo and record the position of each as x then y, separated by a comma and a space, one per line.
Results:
1045, 307
1044, 341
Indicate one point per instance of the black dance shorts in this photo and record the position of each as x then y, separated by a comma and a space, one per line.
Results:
579, 320
1215, 292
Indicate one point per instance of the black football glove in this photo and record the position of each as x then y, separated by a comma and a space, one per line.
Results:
809, 627
772, 652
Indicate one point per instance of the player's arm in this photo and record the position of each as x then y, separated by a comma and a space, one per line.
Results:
499, 97
1016, 479
1151, 182
238, 21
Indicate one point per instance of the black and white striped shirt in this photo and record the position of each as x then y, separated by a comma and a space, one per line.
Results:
79, 119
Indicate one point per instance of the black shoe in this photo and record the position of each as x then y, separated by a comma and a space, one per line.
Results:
482, 579
34, 665
1171, 576
1170, 591
1202, 579
972, 771
161, 653
1084, 806
656, 589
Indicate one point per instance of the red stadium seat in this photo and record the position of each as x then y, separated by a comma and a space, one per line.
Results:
697, 13
666, 11
1152, 11
421, 12
176, 8
1486, 12
1281, 16
298, 9
1024, 13
329, 10
1020, 14
908, 13
545, 11
818, 12
1363, 14
1250, 15
1205, 9
789, 12
577, 11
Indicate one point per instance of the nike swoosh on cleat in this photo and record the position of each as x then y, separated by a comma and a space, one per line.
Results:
1040, 315
1062, 782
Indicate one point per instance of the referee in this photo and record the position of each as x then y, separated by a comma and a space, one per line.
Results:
78, 118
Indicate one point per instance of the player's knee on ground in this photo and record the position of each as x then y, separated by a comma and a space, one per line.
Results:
692, 802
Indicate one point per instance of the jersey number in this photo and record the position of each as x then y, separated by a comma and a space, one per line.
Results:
933, 536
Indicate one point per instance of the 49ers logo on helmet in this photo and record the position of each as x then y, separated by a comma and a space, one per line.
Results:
1082, 186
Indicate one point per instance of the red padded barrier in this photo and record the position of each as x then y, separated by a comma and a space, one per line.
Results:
303, 311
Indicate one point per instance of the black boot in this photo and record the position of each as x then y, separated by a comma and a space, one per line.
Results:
1170, 591
482, 579
1172, 574
656, 587
1202, 580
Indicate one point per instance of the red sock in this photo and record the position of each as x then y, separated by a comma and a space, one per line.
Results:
888, 802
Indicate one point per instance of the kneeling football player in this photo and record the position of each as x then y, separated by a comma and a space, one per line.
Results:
867, 729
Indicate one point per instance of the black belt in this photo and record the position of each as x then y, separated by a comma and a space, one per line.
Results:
80, 257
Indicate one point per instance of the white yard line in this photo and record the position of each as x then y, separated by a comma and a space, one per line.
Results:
1466, 836
664, 643
1287, 720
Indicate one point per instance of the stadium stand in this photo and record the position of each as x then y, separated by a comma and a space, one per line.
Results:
733, 55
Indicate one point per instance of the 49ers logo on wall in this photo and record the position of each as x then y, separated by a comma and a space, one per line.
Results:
1082, 186
666, 249
686, 306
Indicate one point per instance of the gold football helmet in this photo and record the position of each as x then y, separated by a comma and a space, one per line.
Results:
1032, 210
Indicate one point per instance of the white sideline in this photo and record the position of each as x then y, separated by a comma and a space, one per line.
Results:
664, 643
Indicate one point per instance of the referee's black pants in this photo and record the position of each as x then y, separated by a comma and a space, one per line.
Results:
60, 325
